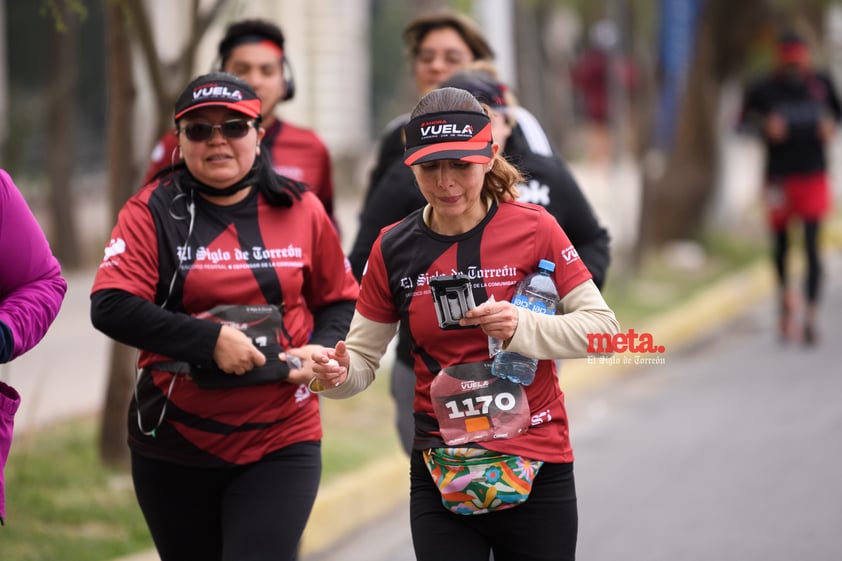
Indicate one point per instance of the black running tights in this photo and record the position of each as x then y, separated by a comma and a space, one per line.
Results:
255, 512
780, 249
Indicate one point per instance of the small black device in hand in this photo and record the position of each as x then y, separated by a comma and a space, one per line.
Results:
452, 297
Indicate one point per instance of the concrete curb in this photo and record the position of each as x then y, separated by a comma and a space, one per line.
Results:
350, 501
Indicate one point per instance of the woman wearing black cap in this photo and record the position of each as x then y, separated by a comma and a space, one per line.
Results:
521, 503
547, 181
227, 277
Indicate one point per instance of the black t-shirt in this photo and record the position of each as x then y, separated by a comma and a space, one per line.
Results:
801, 103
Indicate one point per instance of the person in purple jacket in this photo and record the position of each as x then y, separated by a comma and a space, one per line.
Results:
31, 292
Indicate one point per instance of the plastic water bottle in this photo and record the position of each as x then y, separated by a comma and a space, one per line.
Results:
537, 293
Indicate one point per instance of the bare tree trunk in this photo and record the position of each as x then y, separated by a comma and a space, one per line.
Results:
127, 21
558, 111
675, 203
122, 176
529, 58
543, 69
424, 7
61, 107
167, 78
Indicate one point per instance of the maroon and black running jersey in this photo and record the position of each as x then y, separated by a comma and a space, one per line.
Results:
247, 253
496, 255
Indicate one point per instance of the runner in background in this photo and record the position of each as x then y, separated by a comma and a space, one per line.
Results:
597, 70
795, 109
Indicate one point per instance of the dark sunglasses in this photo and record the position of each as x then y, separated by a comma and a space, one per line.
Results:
235, 128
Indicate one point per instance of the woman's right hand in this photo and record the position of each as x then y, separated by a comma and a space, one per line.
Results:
331, 366
496, 319
234, 352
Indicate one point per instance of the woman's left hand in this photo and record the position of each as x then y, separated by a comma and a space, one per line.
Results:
497, 319
304, 354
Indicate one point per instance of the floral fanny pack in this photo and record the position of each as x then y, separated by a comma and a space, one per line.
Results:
477, 481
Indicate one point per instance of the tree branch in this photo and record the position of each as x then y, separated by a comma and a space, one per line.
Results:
199, 25
143, 32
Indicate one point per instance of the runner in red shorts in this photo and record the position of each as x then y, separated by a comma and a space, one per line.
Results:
795, 109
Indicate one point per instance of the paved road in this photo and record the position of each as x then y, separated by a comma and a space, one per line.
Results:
729, 451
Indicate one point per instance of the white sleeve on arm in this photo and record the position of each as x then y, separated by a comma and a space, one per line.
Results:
366, 343
534, 134
583, 311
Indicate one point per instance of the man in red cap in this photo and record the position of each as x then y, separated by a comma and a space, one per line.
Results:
795, 109
255, 51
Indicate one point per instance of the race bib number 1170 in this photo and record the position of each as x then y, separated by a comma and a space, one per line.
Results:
472, 405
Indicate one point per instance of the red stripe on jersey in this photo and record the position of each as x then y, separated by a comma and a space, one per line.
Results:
496, 255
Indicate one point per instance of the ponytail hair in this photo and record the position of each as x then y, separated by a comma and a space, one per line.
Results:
501, 182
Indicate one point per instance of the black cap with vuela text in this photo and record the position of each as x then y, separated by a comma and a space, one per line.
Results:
218, 89
448, 135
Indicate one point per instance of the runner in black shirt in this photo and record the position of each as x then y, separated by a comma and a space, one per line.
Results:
795, 109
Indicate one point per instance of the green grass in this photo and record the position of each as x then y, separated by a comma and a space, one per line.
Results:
358, 429
61, 504
661, 280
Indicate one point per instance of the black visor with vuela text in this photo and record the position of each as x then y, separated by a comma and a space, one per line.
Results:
448, 135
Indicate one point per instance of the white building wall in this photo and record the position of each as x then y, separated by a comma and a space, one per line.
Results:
496, 19
327, 46
339, 45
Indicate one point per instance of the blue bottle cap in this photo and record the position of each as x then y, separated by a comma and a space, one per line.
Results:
547, 265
